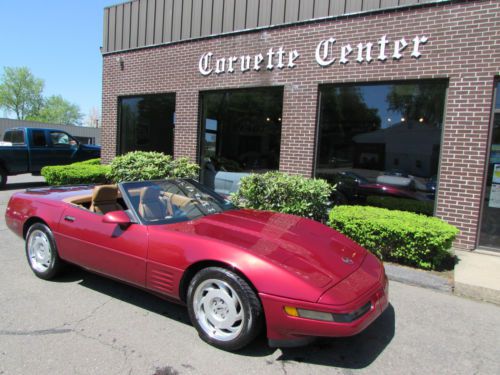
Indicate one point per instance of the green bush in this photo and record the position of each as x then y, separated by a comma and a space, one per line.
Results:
141, 165
85, 172
397, 236
402, 204
281, 192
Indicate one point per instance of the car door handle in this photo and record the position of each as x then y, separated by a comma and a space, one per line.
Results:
69, 218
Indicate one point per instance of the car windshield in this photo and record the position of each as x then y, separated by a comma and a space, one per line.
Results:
170, 201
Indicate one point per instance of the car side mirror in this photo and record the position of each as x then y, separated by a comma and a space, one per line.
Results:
117, 217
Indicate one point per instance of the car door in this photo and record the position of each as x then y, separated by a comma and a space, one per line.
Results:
84, 239
39, 150
63, 147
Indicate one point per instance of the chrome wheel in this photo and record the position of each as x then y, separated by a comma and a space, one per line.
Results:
218, 310
39, 251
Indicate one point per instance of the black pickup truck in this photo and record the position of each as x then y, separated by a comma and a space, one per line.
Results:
28, 150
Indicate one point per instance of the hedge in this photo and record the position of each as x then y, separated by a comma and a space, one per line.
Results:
402, 204
397, 236
142, 165
85, 172
281, 192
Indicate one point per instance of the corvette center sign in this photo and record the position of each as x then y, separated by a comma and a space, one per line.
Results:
328, 52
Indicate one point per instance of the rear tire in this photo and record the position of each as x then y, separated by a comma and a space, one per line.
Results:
224, 309
41, 252
3, 178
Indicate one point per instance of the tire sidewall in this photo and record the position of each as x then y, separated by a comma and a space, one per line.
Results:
253, 312
55, 264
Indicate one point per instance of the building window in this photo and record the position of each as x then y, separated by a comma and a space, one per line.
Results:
379, 142
240, 133
490, 221
147, 123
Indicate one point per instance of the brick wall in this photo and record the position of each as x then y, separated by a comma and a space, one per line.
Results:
463, 47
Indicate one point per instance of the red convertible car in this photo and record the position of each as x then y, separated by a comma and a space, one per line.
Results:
235, 269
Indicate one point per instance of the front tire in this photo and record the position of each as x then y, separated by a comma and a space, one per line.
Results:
224, 309
41, 252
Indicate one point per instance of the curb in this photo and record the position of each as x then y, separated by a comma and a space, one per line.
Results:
478, 293
416, 277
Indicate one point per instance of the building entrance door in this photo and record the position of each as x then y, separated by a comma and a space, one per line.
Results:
490, 222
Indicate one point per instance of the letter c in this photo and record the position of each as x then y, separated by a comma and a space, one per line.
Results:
323, 51
204, 63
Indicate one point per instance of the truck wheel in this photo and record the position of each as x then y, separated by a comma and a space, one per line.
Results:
3, 177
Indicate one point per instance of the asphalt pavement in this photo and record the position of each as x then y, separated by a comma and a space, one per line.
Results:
85, 324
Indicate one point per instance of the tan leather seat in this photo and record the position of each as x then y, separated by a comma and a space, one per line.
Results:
104, 199
152, 206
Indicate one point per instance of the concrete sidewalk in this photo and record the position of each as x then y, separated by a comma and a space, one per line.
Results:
477, 275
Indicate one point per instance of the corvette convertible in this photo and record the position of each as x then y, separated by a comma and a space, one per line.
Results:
237, 270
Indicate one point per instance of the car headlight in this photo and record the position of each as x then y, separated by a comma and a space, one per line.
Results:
309, 314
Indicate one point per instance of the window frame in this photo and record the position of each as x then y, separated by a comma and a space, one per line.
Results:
320, 92
201, 109
494, 111
119, 130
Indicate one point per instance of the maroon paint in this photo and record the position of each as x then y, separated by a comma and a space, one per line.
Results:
289, 260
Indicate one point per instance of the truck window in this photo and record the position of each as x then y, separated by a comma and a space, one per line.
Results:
60, 139
38, 138
14, 136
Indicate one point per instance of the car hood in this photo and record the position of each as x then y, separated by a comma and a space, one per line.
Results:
305, 248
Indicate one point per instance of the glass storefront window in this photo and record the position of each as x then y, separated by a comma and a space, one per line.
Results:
240, 133
490, 223
380, 143
147, 123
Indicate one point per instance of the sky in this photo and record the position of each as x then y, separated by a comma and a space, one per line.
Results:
58, 40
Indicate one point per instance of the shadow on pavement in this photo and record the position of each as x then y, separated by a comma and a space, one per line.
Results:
126, 293
355, 352
350, 352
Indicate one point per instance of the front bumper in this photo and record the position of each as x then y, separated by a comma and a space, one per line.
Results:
285, 330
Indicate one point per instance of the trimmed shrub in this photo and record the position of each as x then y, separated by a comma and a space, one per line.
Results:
402, 204
281, 192
85, 172
397, 236
142, 165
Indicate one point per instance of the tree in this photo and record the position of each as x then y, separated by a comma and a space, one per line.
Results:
416, 101
93, 119
57, 110
21, 92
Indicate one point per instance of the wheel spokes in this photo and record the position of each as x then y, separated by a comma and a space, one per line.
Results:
218, 309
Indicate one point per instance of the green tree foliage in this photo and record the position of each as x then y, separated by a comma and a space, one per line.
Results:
57, 110
418, 101
21, 92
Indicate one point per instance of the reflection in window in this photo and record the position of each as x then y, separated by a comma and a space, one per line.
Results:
382, 142
60, 139
241, 133
147, 123
490, 223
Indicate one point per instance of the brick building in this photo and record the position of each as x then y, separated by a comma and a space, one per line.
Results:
387, 98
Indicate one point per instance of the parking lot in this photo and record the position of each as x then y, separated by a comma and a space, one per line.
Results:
85, 324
